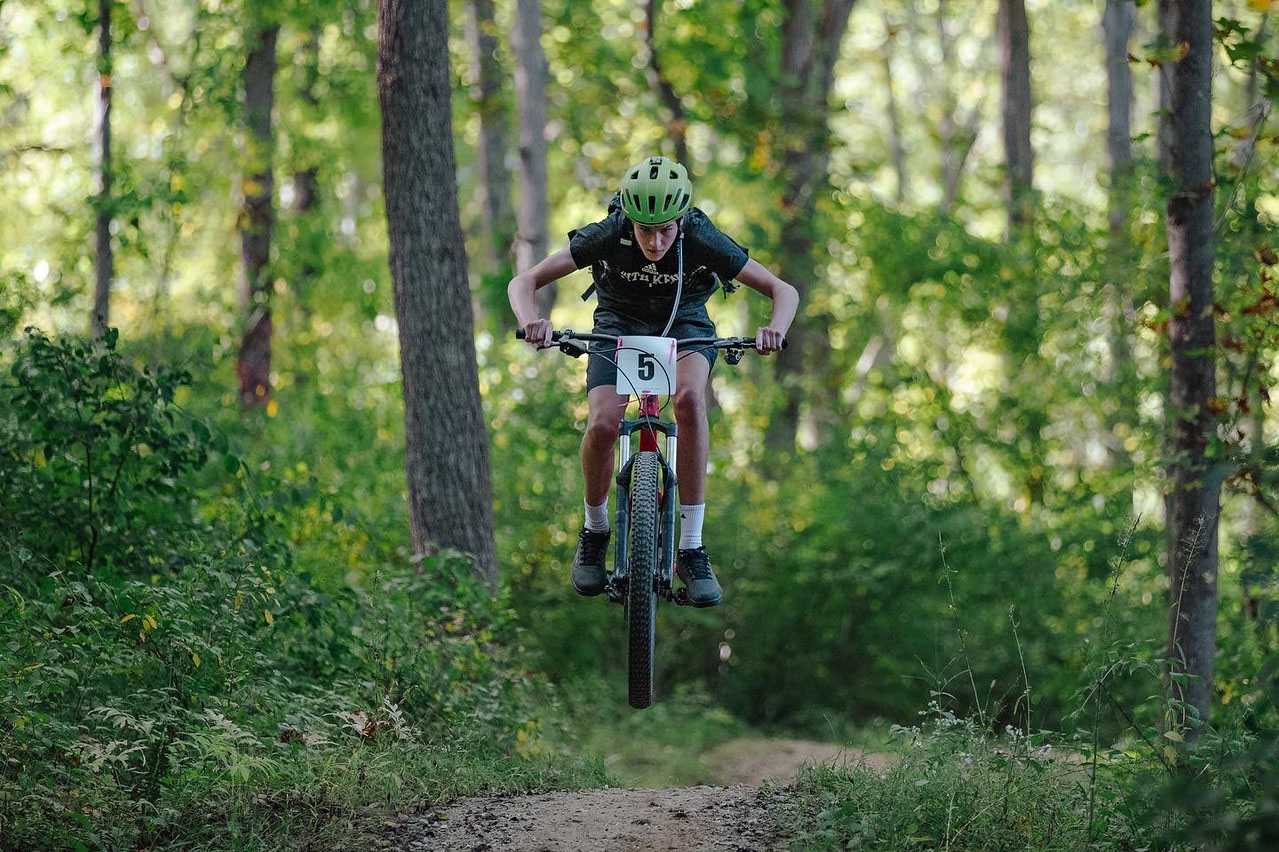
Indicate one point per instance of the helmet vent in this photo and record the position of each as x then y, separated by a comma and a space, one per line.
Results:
635, 175
667, 205
674, 175
652, 205
652, 173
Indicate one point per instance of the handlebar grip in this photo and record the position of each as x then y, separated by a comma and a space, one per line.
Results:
519, 332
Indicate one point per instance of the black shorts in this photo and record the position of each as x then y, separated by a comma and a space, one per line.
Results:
694, 322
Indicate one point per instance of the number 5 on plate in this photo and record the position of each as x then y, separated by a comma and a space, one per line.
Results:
646, 365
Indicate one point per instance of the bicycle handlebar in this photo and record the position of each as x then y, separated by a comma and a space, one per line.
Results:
712, 342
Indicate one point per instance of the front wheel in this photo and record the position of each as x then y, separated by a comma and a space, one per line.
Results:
641, 562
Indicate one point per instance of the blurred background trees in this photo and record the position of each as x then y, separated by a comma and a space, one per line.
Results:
980, 369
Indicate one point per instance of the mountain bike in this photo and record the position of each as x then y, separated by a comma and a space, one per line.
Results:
647, 501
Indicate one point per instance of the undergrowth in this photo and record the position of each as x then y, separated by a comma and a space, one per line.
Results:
1130, 776
173, 676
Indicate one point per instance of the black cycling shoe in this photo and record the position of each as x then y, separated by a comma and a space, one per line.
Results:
588, 562
694, 568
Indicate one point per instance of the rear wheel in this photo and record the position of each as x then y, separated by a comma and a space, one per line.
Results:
641, 564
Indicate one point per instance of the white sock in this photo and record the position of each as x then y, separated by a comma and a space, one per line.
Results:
690, 525
597, 516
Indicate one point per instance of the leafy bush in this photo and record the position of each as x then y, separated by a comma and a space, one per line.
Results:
94, 458
173, 676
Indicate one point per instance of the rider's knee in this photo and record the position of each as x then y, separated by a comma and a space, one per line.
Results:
689, 402
603, 427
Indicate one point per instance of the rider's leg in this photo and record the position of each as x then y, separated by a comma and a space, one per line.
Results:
694, 565
694, 433
606, 408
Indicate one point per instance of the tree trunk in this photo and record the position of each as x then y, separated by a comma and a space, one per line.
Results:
257, 220
306, 184
1195, 482
486, 94
955, 136
1022, 329
810, 46
894, 119
677, 127
1014, 35
533, 212
1117, 25
1258, 108
1118, 21
446, 447
104, 261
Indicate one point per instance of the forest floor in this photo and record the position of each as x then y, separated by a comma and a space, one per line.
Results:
749, 812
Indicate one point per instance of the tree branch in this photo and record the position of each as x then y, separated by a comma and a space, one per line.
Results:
830, 35
678, 126
26, 149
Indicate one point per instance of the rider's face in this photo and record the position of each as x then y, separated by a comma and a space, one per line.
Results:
655, 240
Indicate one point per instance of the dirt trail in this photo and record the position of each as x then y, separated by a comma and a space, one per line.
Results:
755, 761
737, 818
683, 819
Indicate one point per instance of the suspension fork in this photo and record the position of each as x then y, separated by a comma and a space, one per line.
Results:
648, 425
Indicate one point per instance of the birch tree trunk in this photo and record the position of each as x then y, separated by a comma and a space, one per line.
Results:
533, 211
103, 260
257, 220
486, 92
1195, 482
446, 447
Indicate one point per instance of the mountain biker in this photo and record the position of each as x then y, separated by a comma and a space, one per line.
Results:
644, 288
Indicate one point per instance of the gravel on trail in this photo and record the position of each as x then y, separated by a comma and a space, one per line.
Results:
684, 819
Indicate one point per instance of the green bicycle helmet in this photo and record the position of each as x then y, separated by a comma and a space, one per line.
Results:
656, 191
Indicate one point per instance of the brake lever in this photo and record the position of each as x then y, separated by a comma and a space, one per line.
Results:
575, 348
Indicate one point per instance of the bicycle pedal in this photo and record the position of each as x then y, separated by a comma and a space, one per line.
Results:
615, 588
680, 597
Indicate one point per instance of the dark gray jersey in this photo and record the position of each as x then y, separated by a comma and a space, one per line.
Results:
630, 284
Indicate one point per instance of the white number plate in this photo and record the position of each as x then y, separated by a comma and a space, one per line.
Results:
646, 365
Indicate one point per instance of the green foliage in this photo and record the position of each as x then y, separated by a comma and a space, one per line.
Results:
955, 787
204, 687
206, 609
1228, 800
94, 460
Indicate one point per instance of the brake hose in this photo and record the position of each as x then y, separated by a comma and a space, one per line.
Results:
679, 278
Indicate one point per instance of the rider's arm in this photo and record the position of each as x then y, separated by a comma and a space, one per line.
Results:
785, 301
522, 287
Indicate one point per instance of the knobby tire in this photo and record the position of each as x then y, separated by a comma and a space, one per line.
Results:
641, 561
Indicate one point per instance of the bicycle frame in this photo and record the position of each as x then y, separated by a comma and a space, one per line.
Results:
648, 425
